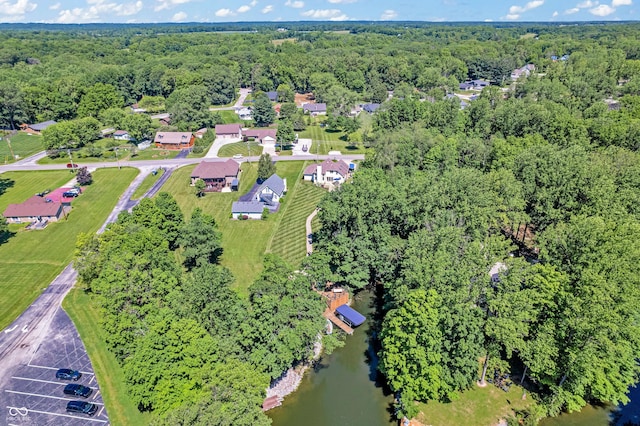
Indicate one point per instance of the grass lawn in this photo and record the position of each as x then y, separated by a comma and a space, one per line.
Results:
325, 141
244, 241
153, 154
231, 149
64, 159
146, 184
229, 116
30, 260
475, 407
22, 145
85, 315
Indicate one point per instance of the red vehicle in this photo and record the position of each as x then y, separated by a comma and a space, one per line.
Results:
72, 166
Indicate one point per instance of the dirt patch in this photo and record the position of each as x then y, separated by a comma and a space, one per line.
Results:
305, 98
280, 41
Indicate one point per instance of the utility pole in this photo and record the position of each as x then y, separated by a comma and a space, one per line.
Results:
249, 149
73, 166
117, 160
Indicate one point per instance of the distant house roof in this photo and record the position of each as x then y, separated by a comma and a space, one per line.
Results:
41, 126
275, 183
273, 96
370, 108
216, 169
173, 137
339, 167
228, 129
201, 131
120, 133
465, 86
315, 107
260, 133
34, 206
247, 207
351, 315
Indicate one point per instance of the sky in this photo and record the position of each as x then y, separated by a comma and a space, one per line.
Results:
138, 11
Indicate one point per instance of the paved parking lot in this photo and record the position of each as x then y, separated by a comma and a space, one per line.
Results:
33, 395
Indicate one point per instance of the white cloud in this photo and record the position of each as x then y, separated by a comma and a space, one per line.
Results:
167, 4
178, 17
342, 1
342, 17
296, 4
587, 3
615, 3
224, 13
388, 14
571, 11
20, 7
512, 16
516, 10
602, 10
243, 9
488, 20
267, 9
253, 3
97, 10
554, 14
55, 6
323, 13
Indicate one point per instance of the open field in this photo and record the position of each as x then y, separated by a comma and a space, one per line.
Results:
244, 241
153, 154
30, 260
22, 145
475, 407
231, 149
85, 315
229, 116
325, 141
279, 41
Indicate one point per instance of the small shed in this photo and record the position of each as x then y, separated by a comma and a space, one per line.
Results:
349, 315
250, 209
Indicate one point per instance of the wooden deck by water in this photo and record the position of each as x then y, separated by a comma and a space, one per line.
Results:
328, 314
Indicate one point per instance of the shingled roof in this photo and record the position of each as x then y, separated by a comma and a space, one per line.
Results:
340, 167
173, 137
215, 169
34, 206
228, 129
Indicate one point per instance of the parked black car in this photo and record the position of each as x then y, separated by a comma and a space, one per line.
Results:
82, 407
68, 374
77, 390
70, 194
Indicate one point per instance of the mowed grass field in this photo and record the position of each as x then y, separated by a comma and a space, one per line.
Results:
146, 184
22, 145
245, 242
325, 141
30, 260
231, 149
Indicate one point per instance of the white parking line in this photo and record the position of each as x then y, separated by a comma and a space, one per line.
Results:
47, 381
89, 419
45, 396
88, 373
92, 379
95, 395
101, 410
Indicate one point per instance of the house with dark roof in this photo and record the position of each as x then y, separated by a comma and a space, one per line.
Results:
327, 172
174, 140
250, 209
271, 190
228, 130
264, 136
273, 96
370, 108
35, 209
36, 129
217, 175
315, 109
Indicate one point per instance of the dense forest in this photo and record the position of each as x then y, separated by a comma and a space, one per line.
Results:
536, 180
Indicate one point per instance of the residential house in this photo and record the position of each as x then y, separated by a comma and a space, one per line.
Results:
327, 172
135, 108
264, 136
522, 71
165, 121
250, 209
474, 85
35, 209
229, 130
370, 108
315, 109
121, 135
273, 96
271, 190
36, 129
174, 140
217, 175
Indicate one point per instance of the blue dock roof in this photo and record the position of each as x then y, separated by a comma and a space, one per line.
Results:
351, 315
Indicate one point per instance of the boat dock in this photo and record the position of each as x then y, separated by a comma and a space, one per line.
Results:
328, 314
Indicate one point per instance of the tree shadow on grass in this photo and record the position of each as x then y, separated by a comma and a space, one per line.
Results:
5, 184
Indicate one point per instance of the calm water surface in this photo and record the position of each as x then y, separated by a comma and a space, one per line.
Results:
343, 390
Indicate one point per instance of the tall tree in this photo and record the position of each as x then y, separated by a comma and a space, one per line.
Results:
266, 167
200, 240
98, 98
263, 113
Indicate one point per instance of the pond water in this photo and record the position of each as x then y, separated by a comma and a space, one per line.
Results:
344, 389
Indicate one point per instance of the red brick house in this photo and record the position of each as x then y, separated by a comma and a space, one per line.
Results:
228, 130
217, 175
174, 140
35, 209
